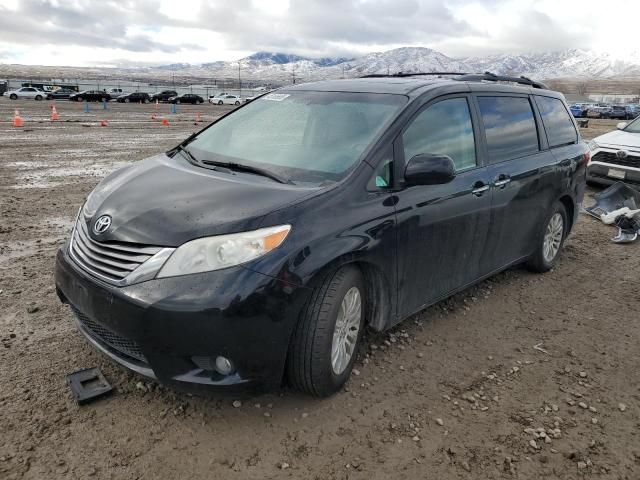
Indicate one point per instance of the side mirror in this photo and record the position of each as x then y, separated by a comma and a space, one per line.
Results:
429, 169
622, 125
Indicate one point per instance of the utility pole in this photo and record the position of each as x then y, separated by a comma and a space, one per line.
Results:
293, 73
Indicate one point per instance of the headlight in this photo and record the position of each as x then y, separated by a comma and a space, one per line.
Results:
215, 253
593, 145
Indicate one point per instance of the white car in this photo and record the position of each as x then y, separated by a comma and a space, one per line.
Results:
225, 99
26, 92
615, 156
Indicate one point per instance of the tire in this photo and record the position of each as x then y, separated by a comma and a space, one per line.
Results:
219, 102
310, 364
237, 103
126, 100
38, 98
78, 99
146, 100
13, 96
543, 259
178, 101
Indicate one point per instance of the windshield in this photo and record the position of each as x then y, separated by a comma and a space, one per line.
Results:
633, 127
308, 137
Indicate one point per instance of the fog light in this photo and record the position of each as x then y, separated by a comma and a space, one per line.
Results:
224, 365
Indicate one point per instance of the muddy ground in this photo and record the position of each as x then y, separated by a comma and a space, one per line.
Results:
523, 376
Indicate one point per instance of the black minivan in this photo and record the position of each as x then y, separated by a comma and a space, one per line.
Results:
259, 249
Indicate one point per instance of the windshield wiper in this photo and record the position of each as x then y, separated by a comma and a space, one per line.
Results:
182, 148
249, 169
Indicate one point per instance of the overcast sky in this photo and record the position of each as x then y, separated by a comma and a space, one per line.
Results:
89, 33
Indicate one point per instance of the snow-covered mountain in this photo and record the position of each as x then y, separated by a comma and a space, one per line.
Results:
574, 63
280, 67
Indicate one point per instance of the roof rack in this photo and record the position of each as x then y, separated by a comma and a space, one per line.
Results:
467, 77
492, 77
418, 74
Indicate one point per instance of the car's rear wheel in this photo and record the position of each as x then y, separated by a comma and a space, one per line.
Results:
219, 102
550, 240
237, 103
13, 96
79, 99
38, 98
126, 100
326, 338
146, 100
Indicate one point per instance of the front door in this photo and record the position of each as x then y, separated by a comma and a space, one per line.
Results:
441, 229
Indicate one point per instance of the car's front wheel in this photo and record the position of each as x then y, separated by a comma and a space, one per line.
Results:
550, 240
326, 338
219, 102
38, 98
13, 96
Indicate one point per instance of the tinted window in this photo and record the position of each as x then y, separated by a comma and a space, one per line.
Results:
443, 128
509, 127
557, 123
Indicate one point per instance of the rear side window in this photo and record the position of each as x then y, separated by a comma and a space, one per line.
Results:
557, 123
443, 128
509, 126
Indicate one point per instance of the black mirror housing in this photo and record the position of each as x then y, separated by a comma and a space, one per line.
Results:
429, 169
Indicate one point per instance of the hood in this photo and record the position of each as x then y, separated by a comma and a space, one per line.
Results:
619, 139
167, 201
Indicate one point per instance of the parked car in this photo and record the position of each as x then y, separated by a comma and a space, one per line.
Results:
164, 95
619, 112
577, 111
250, 99
225, 99
599, 112
632, 111
62, 93
90, 96
116, 92
187, 98
26, 92
261, 247
615, 156
134, 97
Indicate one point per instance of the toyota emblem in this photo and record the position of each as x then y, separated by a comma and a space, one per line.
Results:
102, 224
621, 154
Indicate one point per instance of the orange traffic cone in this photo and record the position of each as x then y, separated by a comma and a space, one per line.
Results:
165, 122
54, 113
104, 123
17, 121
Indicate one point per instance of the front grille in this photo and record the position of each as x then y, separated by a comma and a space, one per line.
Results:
111, 260
611, 157
103, 335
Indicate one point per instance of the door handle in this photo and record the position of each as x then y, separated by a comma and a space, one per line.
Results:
503, 180
479, 189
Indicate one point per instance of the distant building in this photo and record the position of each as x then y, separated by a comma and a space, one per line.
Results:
613, 98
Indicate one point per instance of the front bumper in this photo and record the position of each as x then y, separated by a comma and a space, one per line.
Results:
601, 171
156, 327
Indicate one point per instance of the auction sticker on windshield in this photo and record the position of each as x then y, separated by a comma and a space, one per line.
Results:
276, 97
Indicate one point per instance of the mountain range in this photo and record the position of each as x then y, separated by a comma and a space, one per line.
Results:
281, 67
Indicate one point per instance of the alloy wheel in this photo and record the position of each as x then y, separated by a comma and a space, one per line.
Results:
345, 333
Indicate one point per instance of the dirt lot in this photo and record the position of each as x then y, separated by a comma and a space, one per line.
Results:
458, 391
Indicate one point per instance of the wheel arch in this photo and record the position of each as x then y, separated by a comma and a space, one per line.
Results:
569, 206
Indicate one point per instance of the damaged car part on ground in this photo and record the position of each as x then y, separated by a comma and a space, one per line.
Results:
620, 205
259, 249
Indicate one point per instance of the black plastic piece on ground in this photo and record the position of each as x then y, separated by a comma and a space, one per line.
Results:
88, 384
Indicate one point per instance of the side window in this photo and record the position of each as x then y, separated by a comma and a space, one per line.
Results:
557, 123
383, 176
509, 126
443, 128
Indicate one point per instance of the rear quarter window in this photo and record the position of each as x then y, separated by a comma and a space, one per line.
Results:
510, 127
557, 123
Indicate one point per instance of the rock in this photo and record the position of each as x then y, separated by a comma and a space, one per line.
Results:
583, 374
554, 407
284, 465
305, 415
439, 421
356, 372
582, 405
594, 420
140, 386
33, 309
622, 407
236, 404
533, 443
416, 438
593, 409
464, 464
582, 465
